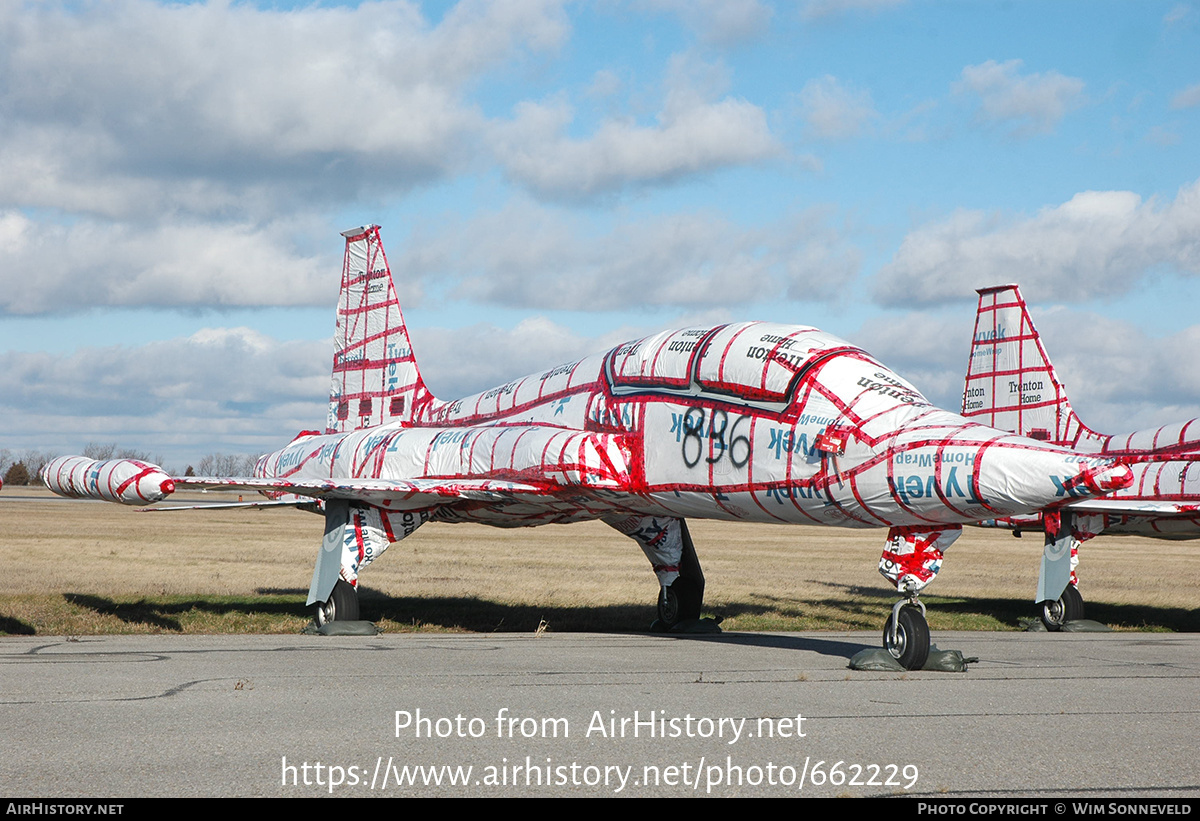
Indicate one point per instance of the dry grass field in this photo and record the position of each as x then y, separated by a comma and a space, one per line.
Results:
78, 568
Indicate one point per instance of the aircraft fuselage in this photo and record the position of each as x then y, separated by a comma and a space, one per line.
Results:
754, 421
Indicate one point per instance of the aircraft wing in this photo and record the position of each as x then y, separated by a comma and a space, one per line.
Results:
407, 494
259, 504
1134, 507
130, 481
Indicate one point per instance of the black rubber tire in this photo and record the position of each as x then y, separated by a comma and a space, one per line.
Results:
668, 606
684, 598
341, 606
911, 648
679, 602
1069, 607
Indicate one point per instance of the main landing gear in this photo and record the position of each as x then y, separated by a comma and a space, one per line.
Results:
342, 605
1068, 607
682, 599
668, 545
1061, 555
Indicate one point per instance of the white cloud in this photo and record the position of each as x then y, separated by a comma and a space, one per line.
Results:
1030, 103
833, 111
1097, 243
235, 390
720, 22
693, 133
457, 362
1179, 13
1120, 379
813, 9
533, 257
1163, 135
121, 108
230, 389
1187, 98
53, 268
605, 83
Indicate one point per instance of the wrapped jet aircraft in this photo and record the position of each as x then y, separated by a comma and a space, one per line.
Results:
751, 421
1012, 385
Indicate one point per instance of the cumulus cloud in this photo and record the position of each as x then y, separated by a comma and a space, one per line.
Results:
235, 390
1029, 104
1118, 377
217, 99
1097, 243
692, 133
720, 22
224, 107
55, 268
231, 389
173, 154
529, 256
1187, 98
813, 9
457, 362
833, 111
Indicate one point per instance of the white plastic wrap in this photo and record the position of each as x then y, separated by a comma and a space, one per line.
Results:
127, 481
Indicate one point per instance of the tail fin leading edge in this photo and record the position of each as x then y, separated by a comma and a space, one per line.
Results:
375, 375
1011, 384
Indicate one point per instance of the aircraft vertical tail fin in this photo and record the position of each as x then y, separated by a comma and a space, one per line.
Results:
375, 375
1011, 384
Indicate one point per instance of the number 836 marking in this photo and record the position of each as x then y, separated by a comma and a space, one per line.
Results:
729, 440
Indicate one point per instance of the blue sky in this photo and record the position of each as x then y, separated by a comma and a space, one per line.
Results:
553, 178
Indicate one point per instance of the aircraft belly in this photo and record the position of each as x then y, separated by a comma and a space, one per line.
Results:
547, 510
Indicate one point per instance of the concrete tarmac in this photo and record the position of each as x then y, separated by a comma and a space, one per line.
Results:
1038, 715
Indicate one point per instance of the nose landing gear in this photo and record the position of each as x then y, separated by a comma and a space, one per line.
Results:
906, 634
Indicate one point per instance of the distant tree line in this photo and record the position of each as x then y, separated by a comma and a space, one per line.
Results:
221, 464
24, 467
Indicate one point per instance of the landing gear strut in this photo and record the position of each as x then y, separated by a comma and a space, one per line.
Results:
906, 634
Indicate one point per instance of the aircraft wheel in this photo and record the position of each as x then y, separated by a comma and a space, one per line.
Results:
679, 602
668, 606
1069, 607
341, 606
911, 647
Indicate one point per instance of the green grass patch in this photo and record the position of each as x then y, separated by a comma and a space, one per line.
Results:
77, 614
